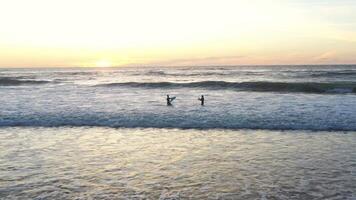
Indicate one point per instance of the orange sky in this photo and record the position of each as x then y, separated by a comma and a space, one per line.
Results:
68, 33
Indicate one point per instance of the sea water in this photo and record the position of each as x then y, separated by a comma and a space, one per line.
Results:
135, 163
250, 97
265, 132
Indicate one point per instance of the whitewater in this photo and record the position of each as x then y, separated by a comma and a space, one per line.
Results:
320, 98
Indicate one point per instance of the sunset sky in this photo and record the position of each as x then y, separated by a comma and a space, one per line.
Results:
84, 33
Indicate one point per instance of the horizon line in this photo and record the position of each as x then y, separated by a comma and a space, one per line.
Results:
167, 66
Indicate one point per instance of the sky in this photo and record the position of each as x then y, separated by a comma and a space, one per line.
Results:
103, 33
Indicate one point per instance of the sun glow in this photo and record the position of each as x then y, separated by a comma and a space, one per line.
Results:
103, 63
178, 32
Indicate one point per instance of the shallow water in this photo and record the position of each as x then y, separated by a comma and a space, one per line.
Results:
108, 163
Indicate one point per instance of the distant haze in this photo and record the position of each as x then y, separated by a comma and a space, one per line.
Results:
104, 33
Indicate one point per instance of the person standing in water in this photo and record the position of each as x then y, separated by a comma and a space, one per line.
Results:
201, 99
169, 100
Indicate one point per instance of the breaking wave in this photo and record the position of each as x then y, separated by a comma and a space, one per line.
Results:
300, 87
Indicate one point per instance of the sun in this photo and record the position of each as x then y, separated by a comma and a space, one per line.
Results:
103, 63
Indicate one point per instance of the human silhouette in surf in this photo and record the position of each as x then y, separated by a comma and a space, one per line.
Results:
201, 99
169, 100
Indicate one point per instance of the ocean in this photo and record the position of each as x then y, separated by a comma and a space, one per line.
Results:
265, 132
261, 97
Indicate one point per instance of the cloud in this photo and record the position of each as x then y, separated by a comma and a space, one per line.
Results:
326, 56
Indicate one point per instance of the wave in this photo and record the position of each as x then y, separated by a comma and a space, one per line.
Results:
225, 72
11, 81
263, 86
177, 122
202, 73
338, 73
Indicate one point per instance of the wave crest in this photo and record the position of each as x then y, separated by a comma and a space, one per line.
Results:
10, 81
263, 86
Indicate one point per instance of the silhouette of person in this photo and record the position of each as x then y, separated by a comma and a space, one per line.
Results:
201, 99
169, 100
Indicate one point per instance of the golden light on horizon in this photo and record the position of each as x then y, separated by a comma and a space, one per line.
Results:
103, 63
177, 32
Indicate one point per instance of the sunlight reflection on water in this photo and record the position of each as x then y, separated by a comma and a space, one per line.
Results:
81, 163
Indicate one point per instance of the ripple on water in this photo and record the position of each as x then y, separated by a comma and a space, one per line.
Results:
84, 162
